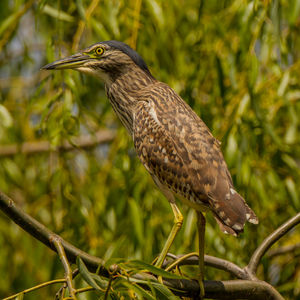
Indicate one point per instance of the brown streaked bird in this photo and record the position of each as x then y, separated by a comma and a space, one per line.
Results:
172, 142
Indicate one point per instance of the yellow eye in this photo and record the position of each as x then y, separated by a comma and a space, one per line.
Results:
99, 51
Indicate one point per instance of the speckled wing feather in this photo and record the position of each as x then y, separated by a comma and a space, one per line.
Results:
179, 151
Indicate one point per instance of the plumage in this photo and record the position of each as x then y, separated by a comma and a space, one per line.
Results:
172, 142
178, 149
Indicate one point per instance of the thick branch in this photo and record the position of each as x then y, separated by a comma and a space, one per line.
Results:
84, 141
269, 241
43, 234
230, 289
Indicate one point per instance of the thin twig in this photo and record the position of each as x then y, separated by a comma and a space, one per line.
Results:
269, 241
85, 141
68, 271
36, 288
43, 234
216, 262
62, 289
85, 289
181, 259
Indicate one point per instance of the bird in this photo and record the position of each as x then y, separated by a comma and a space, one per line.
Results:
175, 146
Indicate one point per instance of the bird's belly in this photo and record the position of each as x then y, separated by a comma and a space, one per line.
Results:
188, 198
195, 204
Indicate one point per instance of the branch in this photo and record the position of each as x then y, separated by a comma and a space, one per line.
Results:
228, 289
215, 262
283, 250
43, 234
232, 289
269, 241
84, 141
68, 271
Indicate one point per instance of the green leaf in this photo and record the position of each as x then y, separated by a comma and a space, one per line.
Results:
168, 295
89, 277
58, 14
164, 292
139, 290
137, 221
137, 264
5, 117
20, 297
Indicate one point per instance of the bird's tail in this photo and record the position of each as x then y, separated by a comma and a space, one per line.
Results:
231, 214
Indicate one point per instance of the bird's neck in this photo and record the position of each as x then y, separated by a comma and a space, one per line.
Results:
123, 92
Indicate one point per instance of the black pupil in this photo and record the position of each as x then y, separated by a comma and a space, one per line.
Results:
99, 50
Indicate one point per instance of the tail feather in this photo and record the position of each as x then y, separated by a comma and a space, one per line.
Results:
251, 216
232, 213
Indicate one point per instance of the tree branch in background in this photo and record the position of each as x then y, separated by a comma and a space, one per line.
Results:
231, 289
84, 141
269, 241
283, 250
43, 234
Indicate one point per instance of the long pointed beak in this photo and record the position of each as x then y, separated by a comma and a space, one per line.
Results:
70, 62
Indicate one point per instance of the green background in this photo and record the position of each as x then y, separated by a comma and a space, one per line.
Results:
235, 62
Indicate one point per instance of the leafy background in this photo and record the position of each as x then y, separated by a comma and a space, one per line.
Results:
235, 62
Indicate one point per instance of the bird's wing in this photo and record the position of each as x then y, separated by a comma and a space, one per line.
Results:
178, 149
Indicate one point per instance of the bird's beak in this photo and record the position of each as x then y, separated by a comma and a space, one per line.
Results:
70, 62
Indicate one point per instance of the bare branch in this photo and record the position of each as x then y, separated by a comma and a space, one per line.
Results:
84, 141
229, 289
269, 241
68, 271
283, 250
43, 234
240, 289
215, 262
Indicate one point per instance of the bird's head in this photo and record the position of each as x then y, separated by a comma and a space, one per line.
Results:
105, 60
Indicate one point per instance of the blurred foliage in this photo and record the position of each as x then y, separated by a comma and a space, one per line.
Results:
235, 62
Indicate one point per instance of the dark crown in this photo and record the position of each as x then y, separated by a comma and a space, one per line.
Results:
137, 59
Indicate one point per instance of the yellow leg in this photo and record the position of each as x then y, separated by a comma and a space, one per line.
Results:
201, 231
178, 219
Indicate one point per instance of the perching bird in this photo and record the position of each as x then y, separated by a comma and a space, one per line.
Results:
172, 142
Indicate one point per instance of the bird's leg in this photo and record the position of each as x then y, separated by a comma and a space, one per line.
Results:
178, 219
201, 232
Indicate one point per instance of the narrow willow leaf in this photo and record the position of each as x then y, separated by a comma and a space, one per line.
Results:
154, 270
58, 14
137, 221
20, 297
291, 187
283, 84
165, 292
87, 276
139, 290
5, 117
156, 12
9, 21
